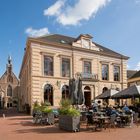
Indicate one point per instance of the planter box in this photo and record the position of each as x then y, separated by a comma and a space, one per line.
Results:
69, 123
49, 117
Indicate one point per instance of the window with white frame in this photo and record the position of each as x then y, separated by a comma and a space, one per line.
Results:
65, 67
105, 72
48, 65
116, 73
87, 67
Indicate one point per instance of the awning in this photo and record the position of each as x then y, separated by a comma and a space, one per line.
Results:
130, 92
107, 94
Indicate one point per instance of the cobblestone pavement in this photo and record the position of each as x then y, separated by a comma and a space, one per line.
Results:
20, 127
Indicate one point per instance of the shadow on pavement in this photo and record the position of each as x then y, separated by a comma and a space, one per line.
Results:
46, 129
11, 112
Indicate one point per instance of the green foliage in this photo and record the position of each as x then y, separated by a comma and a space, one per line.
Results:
66, 103
46, 109
36, 104
67, 109
73, 112
46, 103
42, 108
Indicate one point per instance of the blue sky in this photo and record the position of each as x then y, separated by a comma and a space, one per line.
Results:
112, 23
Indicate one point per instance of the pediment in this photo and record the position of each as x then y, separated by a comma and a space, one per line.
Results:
4, 77
85, 41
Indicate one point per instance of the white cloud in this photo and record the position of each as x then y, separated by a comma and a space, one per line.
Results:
138, 66
55, 9
73, 15
128, 67
36, 32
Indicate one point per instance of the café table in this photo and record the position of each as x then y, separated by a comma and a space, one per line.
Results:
100, 121
123, 120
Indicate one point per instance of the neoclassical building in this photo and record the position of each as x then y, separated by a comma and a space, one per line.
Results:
50, 61
9, 87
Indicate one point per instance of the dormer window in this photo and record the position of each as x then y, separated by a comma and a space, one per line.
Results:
63, 41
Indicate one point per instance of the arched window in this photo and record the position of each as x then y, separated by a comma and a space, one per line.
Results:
65, 92
9, 91
117, 89
104, 89
48, 93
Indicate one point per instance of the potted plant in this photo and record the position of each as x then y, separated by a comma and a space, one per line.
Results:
47, 113
43, 113
37, 113
69, 117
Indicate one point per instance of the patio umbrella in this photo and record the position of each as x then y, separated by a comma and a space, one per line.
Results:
75, 91
130, 92
71, 90
107, 94
80, 96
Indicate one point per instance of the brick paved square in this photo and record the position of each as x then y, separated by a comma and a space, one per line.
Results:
20, 127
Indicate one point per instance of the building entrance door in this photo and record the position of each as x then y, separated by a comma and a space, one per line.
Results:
87, 95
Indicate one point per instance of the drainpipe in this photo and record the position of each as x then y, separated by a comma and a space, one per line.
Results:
121, 78
72, 63
122, 73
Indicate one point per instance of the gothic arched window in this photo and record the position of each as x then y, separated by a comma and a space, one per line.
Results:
9, 91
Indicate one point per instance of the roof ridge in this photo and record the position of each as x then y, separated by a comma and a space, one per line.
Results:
45, 35
113, 51
68, 39
137, 74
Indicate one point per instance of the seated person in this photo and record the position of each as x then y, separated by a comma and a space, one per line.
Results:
126, 109
95, 107
108, 110
114, 111
111, 110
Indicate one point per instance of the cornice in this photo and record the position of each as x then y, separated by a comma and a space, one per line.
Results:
70, 47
